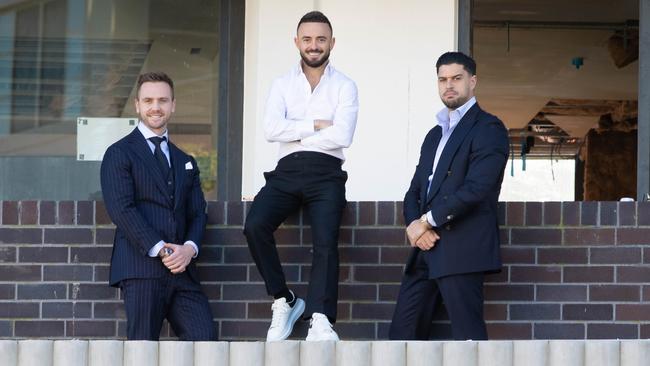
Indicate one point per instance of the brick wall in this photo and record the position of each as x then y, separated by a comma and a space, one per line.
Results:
571, 270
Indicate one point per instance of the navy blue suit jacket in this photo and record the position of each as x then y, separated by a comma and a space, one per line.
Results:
463, 196
138, 201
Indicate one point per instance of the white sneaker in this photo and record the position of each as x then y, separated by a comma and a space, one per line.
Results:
284, 317
320, 329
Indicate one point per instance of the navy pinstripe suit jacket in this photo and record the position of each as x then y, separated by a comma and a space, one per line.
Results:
138, 201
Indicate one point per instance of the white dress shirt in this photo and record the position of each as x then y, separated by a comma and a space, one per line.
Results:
292, 107
448, 120
147, 133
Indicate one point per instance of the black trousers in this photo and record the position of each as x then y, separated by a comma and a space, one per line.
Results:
419, 295
148, 301
315, 181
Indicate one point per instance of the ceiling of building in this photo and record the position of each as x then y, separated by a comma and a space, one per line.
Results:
550, 63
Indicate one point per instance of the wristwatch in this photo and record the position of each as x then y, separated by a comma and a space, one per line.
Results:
423, 219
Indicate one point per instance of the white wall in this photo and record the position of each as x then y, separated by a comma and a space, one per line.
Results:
389, 48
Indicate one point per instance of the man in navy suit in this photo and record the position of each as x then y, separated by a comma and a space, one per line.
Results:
451, 211
153, 195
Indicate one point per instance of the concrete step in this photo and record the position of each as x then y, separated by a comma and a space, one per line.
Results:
344, 353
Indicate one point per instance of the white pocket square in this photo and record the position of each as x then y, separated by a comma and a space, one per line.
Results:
188, 166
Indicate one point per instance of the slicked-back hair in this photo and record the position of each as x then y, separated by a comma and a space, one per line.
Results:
460, 58
154, 76
314, 17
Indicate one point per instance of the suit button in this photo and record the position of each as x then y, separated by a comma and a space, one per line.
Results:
450, 217
448, 227
169, 182
444, 197
171, 196
448, 173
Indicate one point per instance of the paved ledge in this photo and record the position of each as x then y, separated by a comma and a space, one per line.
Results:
344, 353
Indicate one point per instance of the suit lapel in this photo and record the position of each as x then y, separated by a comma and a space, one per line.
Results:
428, 162
178, 165
143, 152
457, 136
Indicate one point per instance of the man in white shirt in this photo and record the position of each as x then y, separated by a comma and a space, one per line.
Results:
311, 112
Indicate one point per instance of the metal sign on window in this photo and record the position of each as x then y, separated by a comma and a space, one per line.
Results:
95, 135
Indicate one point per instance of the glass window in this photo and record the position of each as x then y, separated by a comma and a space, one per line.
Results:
64, 59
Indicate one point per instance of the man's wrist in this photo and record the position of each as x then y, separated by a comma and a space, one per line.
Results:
424, 221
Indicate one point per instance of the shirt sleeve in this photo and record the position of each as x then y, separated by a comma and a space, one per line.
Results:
196, 248
340, 134
277, 128
430, 219
153, 252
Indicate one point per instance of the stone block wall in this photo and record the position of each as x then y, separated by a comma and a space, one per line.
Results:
576, 270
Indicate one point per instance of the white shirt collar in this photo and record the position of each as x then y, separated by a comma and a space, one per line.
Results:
449, 119
328, 68
147, 133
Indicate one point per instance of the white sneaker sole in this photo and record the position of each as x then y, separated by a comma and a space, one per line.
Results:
296, 312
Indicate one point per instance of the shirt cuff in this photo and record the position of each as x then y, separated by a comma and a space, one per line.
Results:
196, 248
432, 222
153, 252
305, 128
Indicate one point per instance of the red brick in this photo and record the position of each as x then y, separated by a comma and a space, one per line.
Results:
644, 331
632, 312
399, 214
509, 331
356, 330
20, 273
104, 236
366, 213
235, 213
7, 254
216, 213
562, 255
589, 274
224, 236
244, 292
643, 211
8, 291
535, 274
535, 312
552, 213
589, 236
589, 213
587, 312
509, 292
223, 273
614, 293
38, 254
87, 291
66, 213
244, 330
612, 331
358, 292
372, 311
39, 328
561, 293
58, 310
47, 215
536, 236
232, 255
28, 212
390, 292
349, 217
375, 274
627, 213
559, 331
571, 213
533, 213
385, 213
608, 213
67, 273
382, 236
232, 310
68, 236
395, 255
19, 310
90, 328
9, 212
85, 213
21, 236
617, 255
515, 214
495, 312
359, 255
289, 236
496, 277
633, 236
518, 255
101, 215
633, 274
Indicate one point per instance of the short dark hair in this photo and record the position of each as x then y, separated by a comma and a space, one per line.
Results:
314, 17
154, 76
460, 58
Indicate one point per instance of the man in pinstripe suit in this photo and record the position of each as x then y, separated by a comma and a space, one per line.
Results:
153, 195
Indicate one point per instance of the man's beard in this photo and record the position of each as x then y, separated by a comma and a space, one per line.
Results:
453, 104
317, 63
